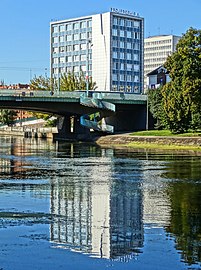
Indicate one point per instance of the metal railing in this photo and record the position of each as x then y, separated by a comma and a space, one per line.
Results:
99, 126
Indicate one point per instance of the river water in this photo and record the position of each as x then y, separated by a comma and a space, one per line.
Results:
80, 206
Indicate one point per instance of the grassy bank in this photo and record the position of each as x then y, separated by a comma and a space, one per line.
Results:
163, 146
165, 133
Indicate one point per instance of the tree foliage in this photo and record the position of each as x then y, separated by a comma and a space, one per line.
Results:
7, 116
155, 102
182, 95
177, 105
70, 82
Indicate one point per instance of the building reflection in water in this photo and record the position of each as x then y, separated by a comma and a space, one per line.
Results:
98, 216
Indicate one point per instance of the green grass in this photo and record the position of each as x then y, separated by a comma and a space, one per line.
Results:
164, 133
163, 146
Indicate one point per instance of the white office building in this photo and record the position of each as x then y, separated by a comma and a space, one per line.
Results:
156, 51
108, 47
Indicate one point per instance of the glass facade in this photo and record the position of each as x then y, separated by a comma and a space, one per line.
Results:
70, 47
127, 37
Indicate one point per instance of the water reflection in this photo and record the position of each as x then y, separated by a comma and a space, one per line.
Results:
101, 200
96, 214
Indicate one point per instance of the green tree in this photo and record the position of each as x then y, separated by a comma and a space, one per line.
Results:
182, 95
155, 103
40, 83
70, 82
7, 116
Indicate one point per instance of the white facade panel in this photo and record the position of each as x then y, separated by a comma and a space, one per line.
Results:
101, 50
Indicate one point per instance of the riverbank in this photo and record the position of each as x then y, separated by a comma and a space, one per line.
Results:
151, 142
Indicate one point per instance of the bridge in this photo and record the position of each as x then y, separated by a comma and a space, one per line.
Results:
108, 112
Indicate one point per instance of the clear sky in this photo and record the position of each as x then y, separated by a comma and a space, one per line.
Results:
25, 27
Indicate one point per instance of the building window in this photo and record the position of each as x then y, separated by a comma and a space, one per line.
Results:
129, 45
62, 28
76, 47
83, 36
115, 65
122, 55
122, 33
83, 24
61, 49
129, 56
114, 32
136, 68
55, 50
115, 43
76, 37
114, 55
122, 66
62, 60
69, 59
83, 57
89, 24
122, 22
129, 34
115, 21
136, 24
76, 69
136, 46
68, 48
129, 67
136, 35
69, 27
136, 78
55, 29
122, 77
76, 58
69, 38
61, 39
55, 60
89, 34
83, 68
129, 23
114, 77
55, 40
83, 46
129, 78
122, 44
136, 57
76, 26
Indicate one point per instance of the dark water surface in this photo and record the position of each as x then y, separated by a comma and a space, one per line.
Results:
79, 206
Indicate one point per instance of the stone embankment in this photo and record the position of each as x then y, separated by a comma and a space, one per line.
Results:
124, 139
29, 132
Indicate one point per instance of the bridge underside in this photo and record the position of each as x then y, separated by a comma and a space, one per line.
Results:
127, 117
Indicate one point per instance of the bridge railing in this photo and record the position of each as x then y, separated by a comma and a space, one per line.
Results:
96, 95
95, 102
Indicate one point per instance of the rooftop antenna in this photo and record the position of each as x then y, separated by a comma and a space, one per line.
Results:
159, 31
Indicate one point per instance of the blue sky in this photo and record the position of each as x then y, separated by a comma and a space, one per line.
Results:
25, 28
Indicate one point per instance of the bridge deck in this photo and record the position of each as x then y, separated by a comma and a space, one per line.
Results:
73, 96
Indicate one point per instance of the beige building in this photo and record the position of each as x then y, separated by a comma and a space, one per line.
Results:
156, 51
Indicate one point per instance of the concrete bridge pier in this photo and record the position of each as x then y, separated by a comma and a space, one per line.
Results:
69, 128
79, 131
64, 127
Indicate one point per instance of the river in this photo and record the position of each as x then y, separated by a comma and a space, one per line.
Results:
81, 206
